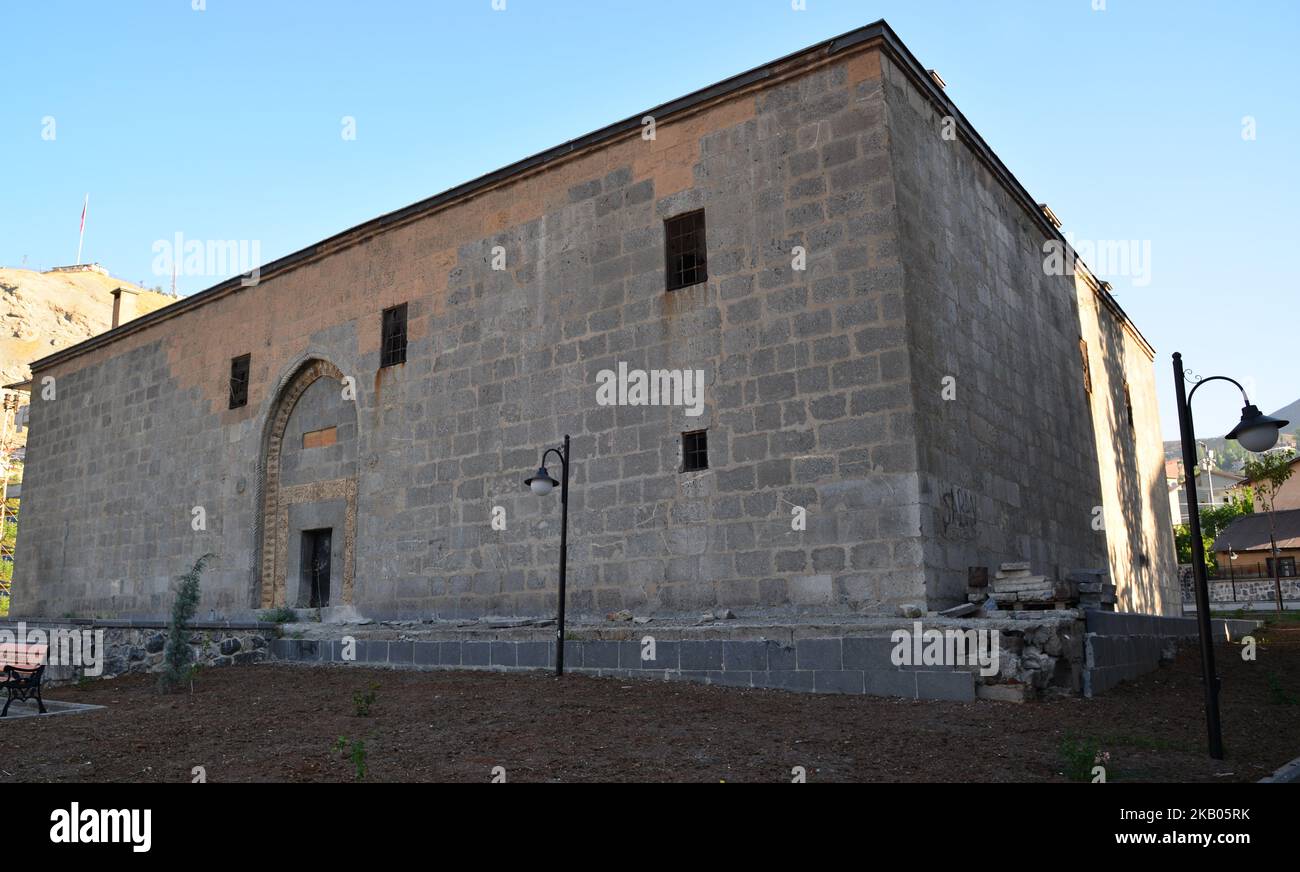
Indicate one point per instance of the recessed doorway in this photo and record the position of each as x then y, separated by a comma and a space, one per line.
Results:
316, 567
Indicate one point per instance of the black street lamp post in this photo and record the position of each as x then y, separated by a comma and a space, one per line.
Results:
542, 484
1256, 432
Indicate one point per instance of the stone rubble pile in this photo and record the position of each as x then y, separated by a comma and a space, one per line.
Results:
1015, 587
1095, 589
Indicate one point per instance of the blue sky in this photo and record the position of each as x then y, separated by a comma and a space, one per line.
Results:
226, 124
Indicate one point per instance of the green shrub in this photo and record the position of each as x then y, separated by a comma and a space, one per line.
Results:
1277, 694
364, 700
356, 752
279, 615
1079, 756
178, 668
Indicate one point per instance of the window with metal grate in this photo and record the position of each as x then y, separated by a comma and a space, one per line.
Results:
695, 451
687, 254
393, 349
239, 380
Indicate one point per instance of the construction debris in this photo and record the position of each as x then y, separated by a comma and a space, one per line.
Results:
1015, 587
960, 611
1095, 589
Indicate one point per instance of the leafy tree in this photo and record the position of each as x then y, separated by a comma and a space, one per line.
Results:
1268, 472
8, 539
1213, 520
177, 656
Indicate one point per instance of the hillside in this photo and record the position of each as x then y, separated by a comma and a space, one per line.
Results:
1232, 456
1289, 413
41, 312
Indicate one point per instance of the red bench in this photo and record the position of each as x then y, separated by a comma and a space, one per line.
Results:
23, 667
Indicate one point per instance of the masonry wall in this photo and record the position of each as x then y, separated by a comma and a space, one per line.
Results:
1249, 591
807, 401
825, 391
1008, 466
120, 455
1120, 647
1126, 421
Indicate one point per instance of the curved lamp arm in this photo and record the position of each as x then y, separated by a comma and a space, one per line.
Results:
1200, 382
564, 461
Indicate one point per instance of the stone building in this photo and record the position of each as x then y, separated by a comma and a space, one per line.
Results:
893, 386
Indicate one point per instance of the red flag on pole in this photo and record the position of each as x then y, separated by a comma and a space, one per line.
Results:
82, 237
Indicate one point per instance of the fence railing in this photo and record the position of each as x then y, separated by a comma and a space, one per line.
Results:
1253, 572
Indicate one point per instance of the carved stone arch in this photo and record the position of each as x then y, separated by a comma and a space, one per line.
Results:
275, 499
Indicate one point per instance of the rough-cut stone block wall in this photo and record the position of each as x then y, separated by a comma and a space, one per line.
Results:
321, 406
1121, 647
1007, 460
121, 456
1038, 655
1136, 507
824, 389
1245, 591
115, 648
807, 401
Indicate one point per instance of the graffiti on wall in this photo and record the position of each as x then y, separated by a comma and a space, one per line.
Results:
959, 513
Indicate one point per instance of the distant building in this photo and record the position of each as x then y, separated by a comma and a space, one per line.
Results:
1213, 489
1244, 549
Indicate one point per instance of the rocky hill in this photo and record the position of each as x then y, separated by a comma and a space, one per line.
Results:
1290, 413
1230, 455
41, 312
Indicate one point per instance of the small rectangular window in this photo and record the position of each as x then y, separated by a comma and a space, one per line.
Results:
1087, 367
687, 254
1128, 406
394, 336
239, 380
695, 451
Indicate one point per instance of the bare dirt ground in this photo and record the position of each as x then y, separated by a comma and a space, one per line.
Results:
282, 723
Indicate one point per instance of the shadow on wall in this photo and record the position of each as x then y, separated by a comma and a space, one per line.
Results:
1136, 549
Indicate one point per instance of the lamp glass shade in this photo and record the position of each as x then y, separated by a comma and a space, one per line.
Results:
1256, 431
541, 483
1258, 439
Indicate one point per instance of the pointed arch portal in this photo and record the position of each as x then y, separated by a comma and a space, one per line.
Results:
299, 488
